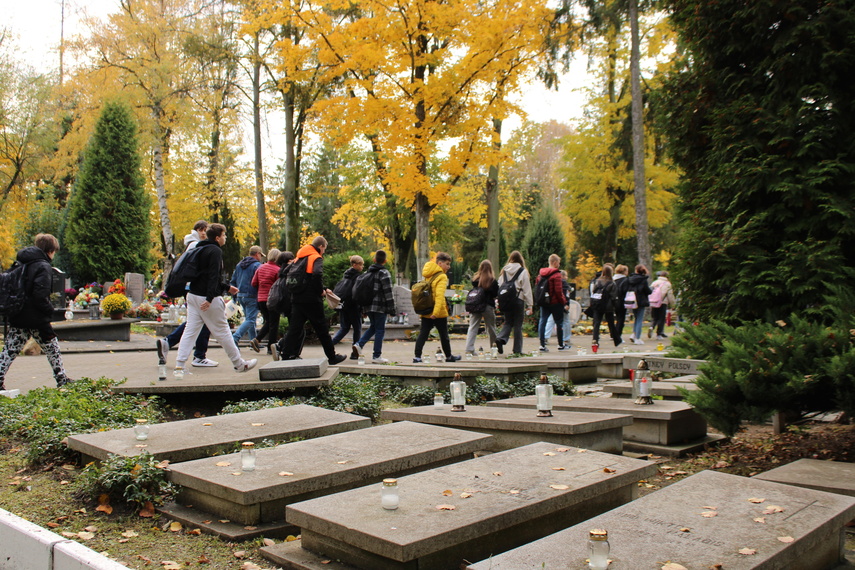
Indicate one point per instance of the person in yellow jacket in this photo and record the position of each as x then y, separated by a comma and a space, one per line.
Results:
439, 317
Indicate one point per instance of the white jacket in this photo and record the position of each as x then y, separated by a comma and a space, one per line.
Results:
523, 282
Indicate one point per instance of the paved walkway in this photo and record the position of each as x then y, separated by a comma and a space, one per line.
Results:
137, 359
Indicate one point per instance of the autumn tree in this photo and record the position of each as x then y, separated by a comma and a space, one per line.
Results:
108, 229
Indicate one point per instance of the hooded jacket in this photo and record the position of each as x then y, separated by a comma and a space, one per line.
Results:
439, 285
315, 269
638, 283
554, 286
37, 309
242, 277
668, 291
210, 282
523, 282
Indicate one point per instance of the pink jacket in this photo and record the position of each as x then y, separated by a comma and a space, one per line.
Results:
264, 279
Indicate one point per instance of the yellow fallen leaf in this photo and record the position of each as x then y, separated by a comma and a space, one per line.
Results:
581, 450
90, 528
285, 474
755, 500
148, 510
786, 539
207, 424
224, 521
673, 566
709, 514
514, 492
549, 454
175, 526
446, 507
465, 495
237, 473
69, 467
747, 551
562, 449
773, 509
83, 535
223, 463
497, 473
559, 487
558, 469
170, 565
608, 470
760, 520
685, 529
195, 532
448, 492
291, 538
342, 462
67, 534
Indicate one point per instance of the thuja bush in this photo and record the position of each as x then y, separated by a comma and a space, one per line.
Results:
134, 481
756, 369
44, 417
263, 404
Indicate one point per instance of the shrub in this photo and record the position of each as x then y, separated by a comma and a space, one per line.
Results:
414, 396
252, 405
44, 417
133, 480
359, 395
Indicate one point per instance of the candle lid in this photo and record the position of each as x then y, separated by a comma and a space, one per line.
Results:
598, 534
248, 444
390, 482
142, 421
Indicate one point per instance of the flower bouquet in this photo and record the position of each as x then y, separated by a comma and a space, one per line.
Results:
117, 287
115, 304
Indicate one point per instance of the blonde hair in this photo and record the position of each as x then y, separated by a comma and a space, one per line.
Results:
354, 259
484, 276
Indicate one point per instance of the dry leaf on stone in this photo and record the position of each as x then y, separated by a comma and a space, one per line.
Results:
90, 528
760, 520
465, 495
163, 464
237, 473
446, 508
448, 492
342, 462
175, 526
257, 425
148, 510
772, 509
285, 474
559, 487
497, 473
250, 528
581, 450
129, 534
225, 521
549, 454
786, 539
562, 449
685, 529
195, 532
608, 470
268, 542
710, 508
170, 565
291, 538
673, 566
223, 463
239, 553
755, 500
85, 535
747, 551
558, 469
514, 492
709, 514
207, 424
141, 445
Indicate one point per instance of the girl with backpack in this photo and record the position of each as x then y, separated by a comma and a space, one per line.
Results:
637, 282
603, 301
350, 314
481, 305
514, 275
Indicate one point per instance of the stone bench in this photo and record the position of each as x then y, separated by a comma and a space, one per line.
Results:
516, 427
105, 329
665, 428
202, 437
668, 390
434, 377
668, 526
499, 501
829, 476
303, 470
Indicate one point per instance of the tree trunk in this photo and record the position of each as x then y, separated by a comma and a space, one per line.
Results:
422, 208
641, 227
260, 206
160, 188
289, 190
491, 193
214, 203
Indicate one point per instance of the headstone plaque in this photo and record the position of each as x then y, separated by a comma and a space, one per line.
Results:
135, 284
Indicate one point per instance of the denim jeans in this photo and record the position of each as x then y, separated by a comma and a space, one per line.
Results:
639, 321
250, 311
350, 320
557, 314
377, 329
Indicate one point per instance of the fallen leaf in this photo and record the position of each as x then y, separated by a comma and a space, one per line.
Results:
197, 415
129, 534
148, 510
673, 566
268, 542
141, 445
203, 560
69, 467
549, 454
145, 558
465, 495
52, 525
710, 508
104, 504
285, 474
207, 424
665, 467
446, 507
250, 566
760, 520
90, 528
709, 514
175, 526
85, 535
223, 463
195, 532
755, 500
237, 473
514, 492
558, 469
124, 540
163, 464
448, 492
342, 462
684, 529
716, 567
721, 465
581, 450
239, 553
250, 528
67, 534
607, 470
63, 482
257, 425
680, 473
747, 551
81, 511
786, 539
325, 561
559, 487
562, 449
772, 509
224, 521
170, 565
497, 473
290, 538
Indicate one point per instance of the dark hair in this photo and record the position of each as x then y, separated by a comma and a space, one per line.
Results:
442, 256
201, 225
215, 231
47, 243
484, 276
284, 258
380, 256
606, 274
641, 270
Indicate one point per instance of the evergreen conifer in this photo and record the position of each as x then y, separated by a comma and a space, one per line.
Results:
543, 237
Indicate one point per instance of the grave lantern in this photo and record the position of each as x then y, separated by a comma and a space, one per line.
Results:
543, 391
94, 310
641, 384
598, 549
458, 394
141, 429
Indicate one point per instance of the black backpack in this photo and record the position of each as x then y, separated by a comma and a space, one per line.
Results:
508, 293
297, 279
476, 300
363, 288
13, 289
344, 289
186, 269
279, 297
541, 292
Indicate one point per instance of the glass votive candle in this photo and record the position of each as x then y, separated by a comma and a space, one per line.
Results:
247, 456
141, 429
389, 494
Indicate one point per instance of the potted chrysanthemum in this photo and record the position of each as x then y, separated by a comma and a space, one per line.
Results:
115, 305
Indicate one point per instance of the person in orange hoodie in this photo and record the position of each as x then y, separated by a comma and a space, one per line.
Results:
439, 317
306, 286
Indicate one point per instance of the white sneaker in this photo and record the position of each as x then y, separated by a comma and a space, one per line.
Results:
638, 341
205, 362
379, 360
358, 349
247, 365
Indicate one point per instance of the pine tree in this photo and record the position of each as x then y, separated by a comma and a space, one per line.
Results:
762, 121
109, 228
543, 237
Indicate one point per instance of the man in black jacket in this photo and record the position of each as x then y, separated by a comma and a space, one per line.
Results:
205, 304
34, 318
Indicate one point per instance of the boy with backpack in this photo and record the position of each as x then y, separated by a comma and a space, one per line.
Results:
435, 272
350, 313
30, 316
373, 291
549, 295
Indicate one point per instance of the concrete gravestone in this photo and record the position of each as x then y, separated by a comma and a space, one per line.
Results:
135, 287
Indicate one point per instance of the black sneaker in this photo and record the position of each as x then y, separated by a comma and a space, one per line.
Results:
337, 359
417, 360
452, 358
499, 345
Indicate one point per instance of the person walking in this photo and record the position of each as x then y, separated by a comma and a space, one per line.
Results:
205, 304
439, 317
485, 280
264, 278
658, 314
247, 295
637, 283
553, 304
603, 305
382, 304
307, 302
621, 279
515, 271
350, 314
569, 320
200, 351
33, 320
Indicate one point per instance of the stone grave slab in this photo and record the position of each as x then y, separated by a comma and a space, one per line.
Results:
219, 379
611, 366
104, 329
654, 429
650, 531
662, 364
303, 470
293, 369
503, 368
668, 390
202, 437
500, 501
573, 369
516, 427
414, 375
829, 476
